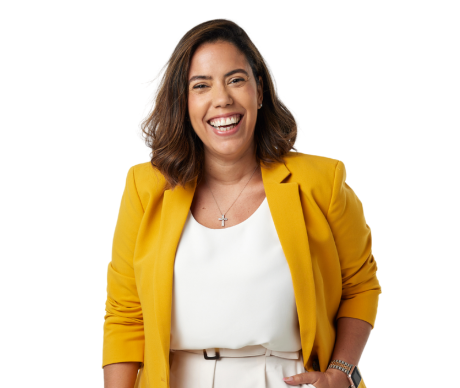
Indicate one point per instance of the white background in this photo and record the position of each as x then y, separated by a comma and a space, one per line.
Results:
374, 84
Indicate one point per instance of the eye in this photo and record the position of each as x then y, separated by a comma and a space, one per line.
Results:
198, 86
236, 79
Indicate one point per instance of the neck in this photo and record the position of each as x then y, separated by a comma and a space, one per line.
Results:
229, 171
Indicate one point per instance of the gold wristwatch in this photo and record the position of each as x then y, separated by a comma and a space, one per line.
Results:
352, 372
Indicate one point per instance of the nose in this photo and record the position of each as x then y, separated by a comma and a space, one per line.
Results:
221, 96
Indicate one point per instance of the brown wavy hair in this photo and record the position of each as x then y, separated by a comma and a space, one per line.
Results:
177, 152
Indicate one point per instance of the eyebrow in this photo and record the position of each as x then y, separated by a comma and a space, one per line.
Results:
207, 77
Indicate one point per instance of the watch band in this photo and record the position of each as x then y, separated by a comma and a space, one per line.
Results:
341, 365
352, 372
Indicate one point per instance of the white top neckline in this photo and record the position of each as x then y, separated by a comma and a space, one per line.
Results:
233, 288
247, 220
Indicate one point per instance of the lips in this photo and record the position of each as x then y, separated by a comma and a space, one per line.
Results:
227, 130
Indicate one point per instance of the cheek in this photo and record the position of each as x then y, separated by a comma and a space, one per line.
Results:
194, 109
251, 96
252, 92
251, 101
197, 111
191, 104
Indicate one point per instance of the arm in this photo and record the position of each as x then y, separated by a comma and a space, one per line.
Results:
356, 315
120, 375
352, 336
353, 239
123, 342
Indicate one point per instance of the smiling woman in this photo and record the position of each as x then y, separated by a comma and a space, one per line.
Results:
215, 72
219, 88
278, 289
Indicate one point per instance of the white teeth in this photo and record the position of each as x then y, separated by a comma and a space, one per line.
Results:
226, 129
225, 121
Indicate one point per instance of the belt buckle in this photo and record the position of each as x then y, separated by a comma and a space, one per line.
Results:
216, 357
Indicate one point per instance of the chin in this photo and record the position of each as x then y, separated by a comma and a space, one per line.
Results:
236, 148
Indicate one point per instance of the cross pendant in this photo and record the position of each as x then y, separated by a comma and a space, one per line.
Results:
223, 219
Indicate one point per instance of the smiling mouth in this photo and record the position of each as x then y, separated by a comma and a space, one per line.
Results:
222, 125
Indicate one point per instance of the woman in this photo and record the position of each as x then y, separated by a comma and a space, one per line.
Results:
236, 261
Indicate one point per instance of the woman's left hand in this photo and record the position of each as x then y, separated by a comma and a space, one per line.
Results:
332, 378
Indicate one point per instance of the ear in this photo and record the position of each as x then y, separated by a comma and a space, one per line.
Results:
260, 91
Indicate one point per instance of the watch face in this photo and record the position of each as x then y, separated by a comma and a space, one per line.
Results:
356, 377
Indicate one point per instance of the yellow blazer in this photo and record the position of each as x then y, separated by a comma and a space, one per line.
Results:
323, 233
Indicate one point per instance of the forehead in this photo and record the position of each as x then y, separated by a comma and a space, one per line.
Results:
217, 59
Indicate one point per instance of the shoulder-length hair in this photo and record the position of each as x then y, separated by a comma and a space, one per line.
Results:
177, 152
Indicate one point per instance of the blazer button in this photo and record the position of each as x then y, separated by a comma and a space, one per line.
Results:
315, 365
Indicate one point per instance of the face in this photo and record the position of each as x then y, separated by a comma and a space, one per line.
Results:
223, 100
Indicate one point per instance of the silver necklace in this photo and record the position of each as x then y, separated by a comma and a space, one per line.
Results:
223, 219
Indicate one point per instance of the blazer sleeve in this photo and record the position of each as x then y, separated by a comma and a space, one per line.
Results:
123, 326
360, 286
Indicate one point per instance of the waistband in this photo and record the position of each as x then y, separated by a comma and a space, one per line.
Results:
247, 351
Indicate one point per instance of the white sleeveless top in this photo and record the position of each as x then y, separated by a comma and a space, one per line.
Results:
233, 287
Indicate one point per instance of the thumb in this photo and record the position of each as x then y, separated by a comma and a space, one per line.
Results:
303, 378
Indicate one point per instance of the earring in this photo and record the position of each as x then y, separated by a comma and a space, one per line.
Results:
260, 106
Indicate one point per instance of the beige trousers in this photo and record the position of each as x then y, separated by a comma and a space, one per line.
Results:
248, 367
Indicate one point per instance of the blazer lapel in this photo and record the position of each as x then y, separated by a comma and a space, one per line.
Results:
286, 209
288, 217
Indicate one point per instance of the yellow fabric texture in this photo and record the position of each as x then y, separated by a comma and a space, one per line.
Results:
323, 232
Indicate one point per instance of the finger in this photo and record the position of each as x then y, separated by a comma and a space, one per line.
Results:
302, 378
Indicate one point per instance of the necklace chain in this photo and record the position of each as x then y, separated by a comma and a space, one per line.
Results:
223, 219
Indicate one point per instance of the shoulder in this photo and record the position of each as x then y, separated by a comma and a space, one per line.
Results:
320, 169
315, 175
148, 180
